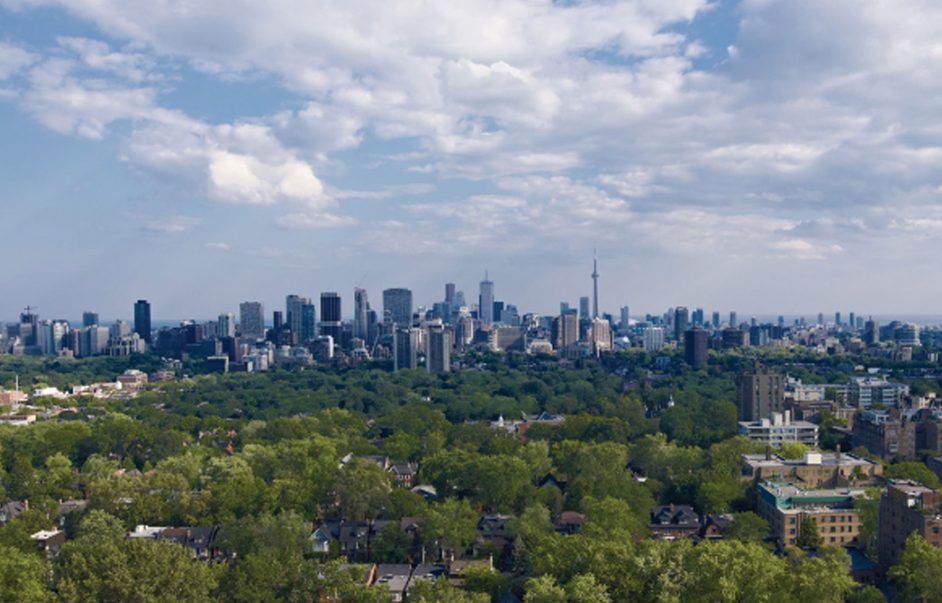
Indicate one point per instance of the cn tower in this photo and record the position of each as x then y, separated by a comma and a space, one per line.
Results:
595, 284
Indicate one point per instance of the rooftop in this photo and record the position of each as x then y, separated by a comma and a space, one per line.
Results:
820, 458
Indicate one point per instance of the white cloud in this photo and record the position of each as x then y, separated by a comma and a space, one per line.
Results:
14, 59
218, 246
172, 224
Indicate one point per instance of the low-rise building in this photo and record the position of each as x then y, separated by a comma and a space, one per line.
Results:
908, 507
785, 506
780, 429
674, 522
815, 470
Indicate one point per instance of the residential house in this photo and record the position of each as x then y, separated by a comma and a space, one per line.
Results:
395, 578
569, 522
13, 509
49, 541
674, 522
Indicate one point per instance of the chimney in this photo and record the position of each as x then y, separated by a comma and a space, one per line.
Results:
768, 452
26, 505
837, 454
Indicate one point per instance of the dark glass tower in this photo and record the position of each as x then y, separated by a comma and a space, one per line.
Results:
142, 324
330, 316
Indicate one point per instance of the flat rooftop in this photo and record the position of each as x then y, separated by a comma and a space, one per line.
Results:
827, 459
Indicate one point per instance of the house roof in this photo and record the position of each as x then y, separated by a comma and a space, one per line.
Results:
675, 515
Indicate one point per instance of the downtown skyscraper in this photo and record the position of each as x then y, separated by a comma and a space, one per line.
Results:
486, 301
397, 306
252, 321
361, 309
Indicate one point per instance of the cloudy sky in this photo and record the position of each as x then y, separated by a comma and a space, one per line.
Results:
763, 155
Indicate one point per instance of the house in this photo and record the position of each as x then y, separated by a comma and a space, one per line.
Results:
405, 473
494, 533
13, 509
569, 522
49, 541
426, 491
426, 571
395, 578
550, 481
674, 522
324, 534
714, 525
199, 540
458, 567
354, 539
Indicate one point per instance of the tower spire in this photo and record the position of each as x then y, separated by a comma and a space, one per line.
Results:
595, 283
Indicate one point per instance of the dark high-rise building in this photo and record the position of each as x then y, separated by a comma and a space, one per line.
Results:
293, 305
715, 323
331, 322
681, 323
397, 306
584, 307
89, 319
697, 317
695, 347
252, 321
308, 322
761, 392
733, 321
450, 293
142, 324
837, 319
278, 320
734, 338
871, 332
361, 308
438, 349
405, 346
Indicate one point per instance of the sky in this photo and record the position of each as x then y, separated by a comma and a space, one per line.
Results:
768, 156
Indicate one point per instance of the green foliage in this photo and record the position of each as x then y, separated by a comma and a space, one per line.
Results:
808, 535
919, 571
915, 471
23, 577
132, 570
747, 527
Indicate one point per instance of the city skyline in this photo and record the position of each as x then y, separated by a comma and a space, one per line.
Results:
716, 151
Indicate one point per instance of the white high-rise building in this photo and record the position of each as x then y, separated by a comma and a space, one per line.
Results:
226, 326
653, 339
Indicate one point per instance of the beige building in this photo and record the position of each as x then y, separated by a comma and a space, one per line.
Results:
785, 506
815, 470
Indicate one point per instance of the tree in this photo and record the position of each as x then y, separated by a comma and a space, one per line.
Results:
451, 524
822, 576
919, 571
22, 577
362, 487
915, 471
808, 535
544, 589
439, 591
747, 527
391, 546
866, 594
132, 570
585, 589
486, 580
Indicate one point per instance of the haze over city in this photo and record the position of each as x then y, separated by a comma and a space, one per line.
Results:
766, 156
